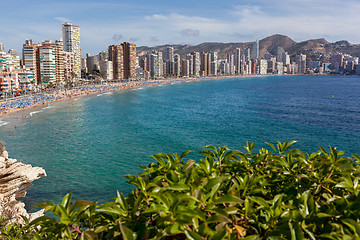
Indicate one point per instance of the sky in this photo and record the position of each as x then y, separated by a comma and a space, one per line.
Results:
157, 22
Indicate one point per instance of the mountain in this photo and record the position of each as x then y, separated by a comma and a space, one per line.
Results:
313, 47
271, 44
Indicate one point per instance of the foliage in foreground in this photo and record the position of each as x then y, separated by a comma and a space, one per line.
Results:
279, 194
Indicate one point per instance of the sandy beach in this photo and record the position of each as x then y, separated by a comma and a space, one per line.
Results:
24, 103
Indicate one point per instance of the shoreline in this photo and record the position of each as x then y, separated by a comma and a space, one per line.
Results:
87, 90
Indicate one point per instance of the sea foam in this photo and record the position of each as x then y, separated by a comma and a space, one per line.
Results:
35, 112
3, 123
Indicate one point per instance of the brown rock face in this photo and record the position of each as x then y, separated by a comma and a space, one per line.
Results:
15, 179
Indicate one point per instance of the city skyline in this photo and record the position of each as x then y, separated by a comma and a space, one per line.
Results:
164, 22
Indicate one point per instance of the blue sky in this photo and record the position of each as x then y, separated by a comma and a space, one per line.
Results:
156, 22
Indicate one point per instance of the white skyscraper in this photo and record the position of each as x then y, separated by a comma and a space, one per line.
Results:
196, 63
71, 41
256, 49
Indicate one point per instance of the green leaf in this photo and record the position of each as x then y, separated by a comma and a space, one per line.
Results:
88, 235
192, 235
323, 215
185, 153
252, 237
219, 235
228, 199
189, 164
343, 185
271, 145
178, 187
66, 200
260, 201
48, 206
353, 225
122, 201
215, 181
126, 233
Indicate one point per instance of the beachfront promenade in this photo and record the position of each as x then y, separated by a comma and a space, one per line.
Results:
11, 105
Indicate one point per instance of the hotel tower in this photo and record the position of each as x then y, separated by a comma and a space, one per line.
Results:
71, 41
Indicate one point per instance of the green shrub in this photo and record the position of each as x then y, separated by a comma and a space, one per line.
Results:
281, 193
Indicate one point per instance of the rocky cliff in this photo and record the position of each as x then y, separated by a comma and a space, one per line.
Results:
15, 179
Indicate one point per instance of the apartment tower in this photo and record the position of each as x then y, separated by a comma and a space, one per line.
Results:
116, 55
71, 40
129, 60
256, 49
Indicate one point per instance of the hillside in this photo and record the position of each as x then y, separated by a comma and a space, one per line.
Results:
269, 44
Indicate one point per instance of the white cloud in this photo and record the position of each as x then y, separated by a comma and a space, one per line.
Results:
156, 17
190, 32
301, 20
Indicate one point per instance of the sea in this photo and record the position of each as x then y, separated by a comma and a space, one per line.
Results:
87, 145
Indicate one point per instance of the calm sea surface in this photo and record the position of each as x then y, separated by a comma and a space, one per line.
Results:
87, 145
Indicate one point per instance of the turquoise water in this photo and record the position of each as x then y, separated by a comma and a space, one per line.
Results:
87, 145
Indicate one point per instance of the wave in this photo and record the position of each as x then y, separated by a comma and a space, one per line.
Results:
35, 112
48, 107
107, 93
3, 123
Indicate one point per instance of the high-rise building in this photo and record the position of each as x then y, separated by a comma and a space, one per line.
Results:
279, 68
92, 63
71, 41
230, 60
238, 61
129, 60
256, 49
3, 63
204, 64
177, 65
271, 65
153, 64
116, 56
279, 54
214, 63
29, 55
59, 59
2, 47
170, 68
69, 65
285, 59
185, 68
196, 63
337, 62
47, 70
190, 58
161, 64
106, 68
263, 66
247, 54
301, 63
170, 54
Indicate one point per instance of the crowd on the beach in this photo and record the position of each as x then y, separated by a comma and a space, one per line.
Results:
9, 105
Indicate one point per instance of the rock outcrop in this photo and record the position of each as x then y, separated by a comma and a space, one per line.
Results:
15, 179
